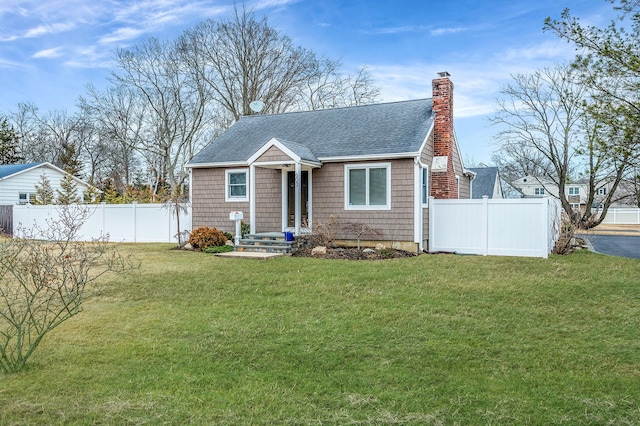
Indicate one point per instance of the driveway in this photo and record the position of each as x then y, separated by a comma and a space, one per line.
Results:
616, 245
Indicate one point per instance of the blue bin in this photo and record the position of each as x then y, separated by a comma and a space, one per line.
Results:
288, 236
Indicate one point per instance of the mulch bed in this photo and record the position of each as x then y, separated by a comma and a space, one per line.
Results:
355, 254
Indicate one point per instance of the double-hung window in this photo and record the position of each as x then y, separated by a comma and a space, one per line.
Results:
574, 190
368, 186
236, 182
539, 191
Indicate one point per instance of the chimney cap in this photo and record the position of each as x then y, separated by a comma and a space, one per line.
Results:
444, 74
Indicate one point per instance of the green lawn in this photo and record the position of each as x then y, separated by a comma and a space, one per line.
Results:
196, 339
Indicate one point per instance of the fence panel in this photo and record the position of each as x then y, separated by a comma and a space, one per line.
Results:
623, 216
123, 222
6, 219
523, 227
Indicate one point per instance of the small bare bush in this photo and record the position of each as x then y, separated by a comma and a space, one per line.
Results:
43, 281
324, 233
360, 230
566, 236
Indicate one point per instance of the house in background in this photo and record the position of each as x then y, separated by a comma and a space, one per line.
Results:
486, 183
576, 192
375, 165
18, 181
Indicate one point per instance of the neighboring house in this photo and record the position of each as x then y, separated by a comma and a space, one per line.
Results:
18, 181
486, 183
577, 193
371, 164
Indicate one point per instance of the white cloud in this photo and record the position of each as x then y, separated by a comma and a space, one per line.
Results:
443, 31
48, 53
48, 29
121, 34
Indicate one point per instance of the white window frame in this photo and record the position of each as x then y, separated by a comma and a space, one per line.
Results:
227, 196
601, 191
539, 191
457, 186
367, 167
424, 185
30, 198
574, 190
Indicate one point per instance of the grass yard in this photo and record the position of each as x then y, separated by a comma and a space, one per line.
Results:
430, 340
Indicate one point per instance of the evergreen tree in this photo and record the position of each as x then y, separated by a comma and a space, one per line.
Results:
44, 191
68, 194
69, 161
9, 150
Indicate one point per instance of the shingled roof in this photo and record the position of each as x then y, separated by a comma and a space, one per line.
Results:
7, 170
388, 129
485, 181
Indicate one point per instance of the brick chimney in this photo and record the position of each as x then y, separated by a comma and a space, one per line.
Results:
443, 177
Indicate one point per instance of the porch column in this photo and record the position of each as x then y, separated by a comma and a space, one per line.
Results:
252, 198
298, 220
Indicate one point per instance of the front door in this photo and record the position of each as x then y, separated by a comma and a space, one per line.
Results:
291, 198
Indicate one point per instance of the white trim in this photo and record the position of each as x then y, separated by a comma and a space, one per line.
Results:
458, 186
426, 139
285, 199
227, 197
252, 199
417, 204
309, 199
271, 143
425, 202
389, 156
367, 166
209, 165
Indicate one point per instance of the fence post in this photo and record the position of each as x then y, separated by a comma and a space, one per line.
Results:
485, 225
432, 223
134, 206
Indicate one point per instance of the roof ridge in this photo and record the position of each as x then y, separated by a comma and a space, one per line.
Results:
336, 108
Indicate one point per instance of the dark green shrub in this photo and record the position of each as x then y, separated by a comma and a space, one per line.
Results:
228, 236
204, 237
245, 229
387, 253
218, 249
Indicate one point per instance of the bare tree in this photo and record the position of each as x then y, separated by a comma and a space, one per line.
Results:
547, 124
118, 115
43, 282
174, 98
243, 59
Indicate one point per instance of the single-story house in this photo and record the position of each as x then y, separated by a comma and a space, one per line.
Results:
18, 181
486, 183
375, 165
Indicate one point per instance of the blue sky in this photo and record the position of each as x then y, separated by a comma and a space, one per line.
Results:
50, 50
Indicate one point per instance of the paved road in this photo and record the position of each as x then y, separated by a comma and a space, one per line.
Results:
616, 245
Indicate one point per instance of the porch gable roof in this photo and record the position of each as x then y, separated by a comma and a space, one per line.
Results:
296, 152
389, 129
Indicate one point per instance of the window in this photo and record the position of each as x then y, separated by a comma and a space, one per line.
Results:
458, 185
601, 191
425, 185
236, 184
539, 191
574, 190
24, 198
368, 186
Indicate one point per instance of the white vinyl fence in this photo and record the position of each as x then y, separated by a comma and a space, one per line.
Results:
623, 216
504, 227
142, 223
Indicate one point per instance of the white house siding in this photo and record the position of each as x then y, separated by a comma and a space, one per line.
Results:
25, 182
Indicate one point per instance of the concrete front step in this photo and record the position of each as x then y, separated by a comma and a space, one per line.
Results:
268, 242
